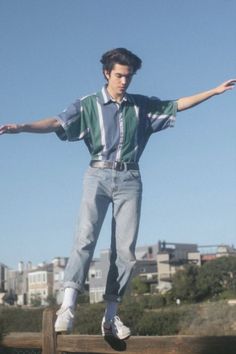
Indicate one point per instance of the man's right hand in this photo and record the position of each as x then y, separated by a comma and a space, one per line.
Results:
10, 129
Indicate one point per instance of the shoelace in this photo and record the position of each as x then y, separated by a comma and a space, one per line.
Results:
117, 322
67, 312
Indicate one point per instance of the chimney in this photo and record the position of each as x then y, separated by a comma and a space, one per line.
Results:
21, 267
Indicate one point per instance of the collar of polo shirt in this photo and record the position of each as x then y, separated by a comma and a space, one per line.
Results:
105, 98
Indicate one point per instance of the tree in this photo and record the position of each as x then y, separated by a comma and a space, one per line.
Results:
10, 298
36, 300
139, 286
216, 276
51, 300
2, 331
184, 283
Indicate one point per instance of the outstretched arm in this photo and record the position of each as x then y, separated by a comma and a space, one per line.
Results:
47, 125
191, 101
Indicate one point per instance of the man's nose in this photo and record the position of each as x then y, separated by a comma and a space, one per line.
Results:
124, 80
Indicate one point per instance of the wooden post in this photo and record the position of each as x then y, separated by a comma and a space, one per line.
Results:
48, 333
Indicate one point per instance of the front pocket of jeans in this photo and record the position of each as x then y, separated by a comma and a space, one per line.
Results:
134, 174
93, 172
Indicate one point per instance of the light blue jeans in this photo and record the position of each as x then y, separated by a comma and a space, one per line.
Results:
123, 189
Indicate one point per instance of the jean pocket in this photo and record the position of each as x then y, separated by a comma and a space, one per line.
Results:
93, 172
134, 174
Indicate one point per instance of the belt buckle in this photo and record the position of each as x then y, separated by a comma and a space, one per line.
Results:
119, 166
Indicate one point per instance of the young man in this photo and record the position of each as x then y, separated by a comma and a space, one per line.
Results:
116, 127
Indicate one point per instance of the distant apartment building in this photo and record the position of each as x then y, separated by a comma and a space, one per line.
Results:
40, 284
3, 280
16, 285
3, 276
173, 256
59, 265
146, 270
97, 276
155, 265
145, 266
210, 252
170, 258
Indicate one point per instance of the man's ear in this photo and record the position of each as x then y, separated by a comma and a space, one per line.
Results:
106, 74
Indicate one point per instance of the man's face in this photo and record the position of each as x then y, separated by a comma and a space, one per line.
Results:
118, 80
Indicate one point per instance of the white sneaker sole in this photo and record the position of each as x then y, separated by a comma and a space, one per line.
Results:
110, 334
63, 329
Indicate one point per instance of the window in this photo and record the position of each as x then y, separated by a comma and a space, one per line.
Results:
98, 274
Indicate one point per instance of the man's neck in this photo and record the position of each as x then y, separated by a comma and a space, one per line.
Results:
117, 98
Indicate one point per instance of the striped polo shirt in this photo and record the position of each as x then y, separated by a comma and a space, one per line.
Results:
115, 131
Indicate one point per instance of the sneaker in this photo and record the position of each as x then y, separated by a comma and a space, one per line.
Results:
115, 328
64, 321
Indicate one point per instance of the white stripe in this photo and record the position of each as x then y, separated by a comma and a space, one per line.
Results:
101, 124
121, 123
84, 97
82, 134
105, 98
161, 116
136, 108
135, 151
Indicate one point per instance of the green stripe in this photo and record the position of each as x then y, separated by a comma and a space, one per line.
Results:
90, 112
130, 133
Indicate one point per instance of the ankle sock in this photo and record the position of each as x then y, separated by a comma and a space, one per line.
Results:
70, 298
111, 310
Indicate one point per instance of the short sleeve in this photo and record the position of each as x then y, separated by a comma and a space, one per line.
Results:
162, 114
72, 123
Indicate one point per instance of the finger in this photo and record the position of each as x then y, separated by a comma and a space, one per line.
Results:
230, 85
2, 129
231, 82
5, 129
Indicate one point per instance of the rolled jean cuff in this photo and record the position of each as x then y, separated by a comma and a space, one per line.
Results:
113, 298
71, 284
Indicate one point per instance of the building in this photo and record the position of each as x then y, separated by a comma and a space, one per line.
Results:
97, 276
59, 265
3, 276
155, 265
210, 252
145, 266
3, 280
146, 269
16, 285
170, 258
173, 256
40, 284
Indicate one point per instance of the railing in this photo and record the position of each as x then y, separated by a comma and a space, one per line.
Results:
50, 343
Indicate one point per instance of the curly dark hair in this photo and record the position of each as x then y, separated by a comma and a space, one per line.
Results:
120, 56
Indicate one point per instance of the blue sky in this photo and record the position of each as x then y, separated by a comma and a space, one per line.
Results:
50, 52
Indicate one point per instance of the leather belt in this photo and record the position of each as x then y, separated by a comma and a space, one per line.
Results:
115, 165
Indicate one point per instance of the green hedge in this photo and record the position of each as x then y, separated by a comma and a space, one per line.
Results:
168, 320
14, 319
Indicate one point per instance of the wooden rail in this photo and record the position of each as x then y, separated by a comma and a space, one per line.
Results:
50, 343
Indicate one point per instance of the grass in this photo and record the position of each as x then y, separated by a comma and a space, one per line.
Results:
213, 318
